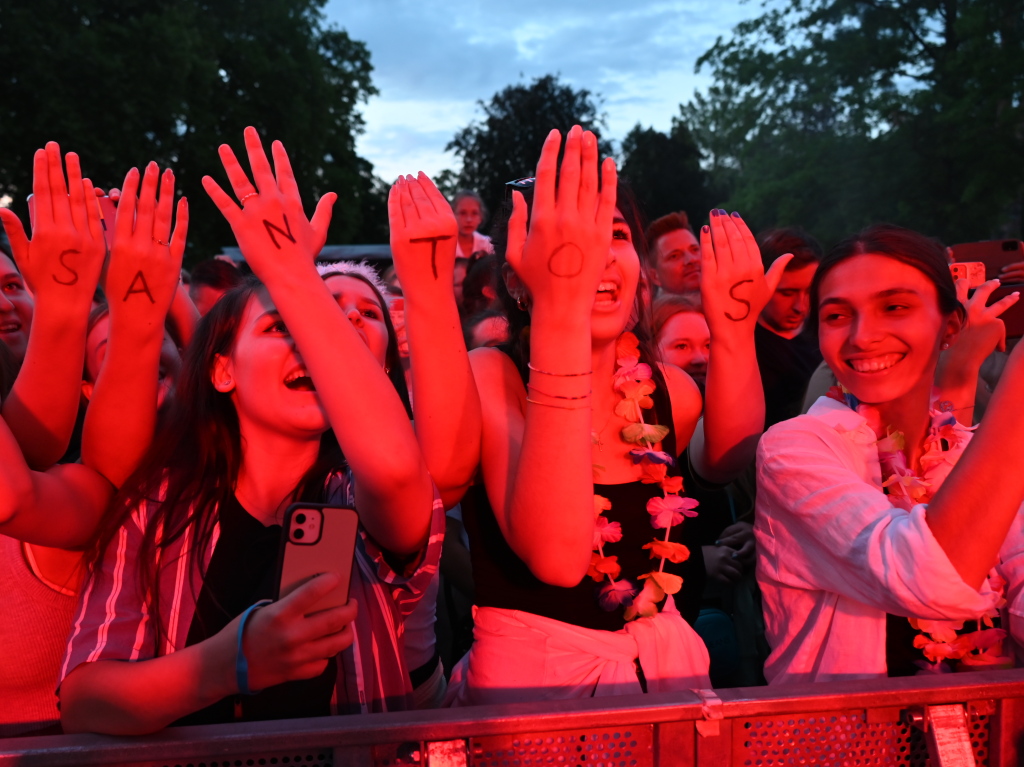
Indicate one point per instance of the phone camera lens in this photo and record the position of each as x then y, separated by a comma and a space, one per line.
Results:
298, 534
300, 519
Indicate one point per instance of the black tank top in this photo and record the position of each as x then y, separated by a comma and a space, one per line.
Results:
502, 579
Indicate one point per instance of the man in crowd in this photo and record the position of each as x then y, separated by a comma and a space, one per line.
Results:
786, 355
675, 254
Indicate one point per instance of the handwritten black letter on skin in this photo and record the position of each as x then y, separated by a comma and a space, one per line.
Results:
138, 279
433, 248
566, 260
286, 232
74, 275
734, 297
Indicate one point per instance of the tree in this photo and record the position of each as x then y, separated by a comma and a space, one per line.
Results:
837, 113
506, 144
664, 172
123, 82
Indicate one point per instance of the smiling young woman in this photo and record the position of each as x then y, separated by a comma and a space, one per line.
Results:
868, 509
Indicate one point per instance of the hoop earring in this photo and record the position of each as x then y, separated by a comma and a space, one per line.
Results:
521, 303
945, 346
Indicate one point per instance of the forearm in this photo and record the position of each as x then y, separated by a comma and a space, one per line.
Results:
733, 411
957, 382
378, 441
443, 388
971, 524
121, 418
43, 404
116, 697
551, 507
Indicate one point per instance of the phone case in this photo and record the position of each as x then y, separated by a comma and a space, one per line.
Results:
309, 549
995, 254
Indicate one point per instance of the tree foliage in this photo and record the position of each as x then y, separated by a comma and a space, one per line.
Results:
123, 82
837, 113
506, 143
664, 171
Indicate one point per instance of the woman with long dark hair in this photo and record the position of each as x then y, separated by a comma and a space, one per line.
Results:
569, 432
281, 388
878, 516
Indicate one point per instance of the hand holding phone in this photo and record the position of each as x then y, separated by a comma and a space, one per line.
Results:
317, 539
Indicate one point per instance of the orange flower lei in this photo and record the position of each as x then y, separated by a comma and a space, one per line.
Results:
633, 381
939, 640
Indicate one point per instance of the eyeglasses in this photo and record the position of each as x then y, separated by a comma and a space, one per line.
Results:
522, 184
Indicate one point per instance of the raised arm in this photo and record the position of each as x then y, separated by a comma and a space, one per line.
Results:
971, 525
537, 447
145, 263
734, 289
60, 507
423, 230
61, 264
393, 488
982, 334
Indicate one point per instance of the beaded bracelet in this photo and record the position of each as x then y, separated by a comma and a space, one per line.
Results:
553, 404
558, 375
556, 396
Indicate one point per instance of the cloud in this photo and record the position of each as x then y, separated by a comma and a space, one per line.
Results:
434, 61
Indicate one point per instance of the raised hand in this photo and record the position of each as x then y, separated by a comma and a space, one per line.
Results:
63, 260
145, 260
983, 332
283, 643
734, 287
272, 230
423, 232
561, 256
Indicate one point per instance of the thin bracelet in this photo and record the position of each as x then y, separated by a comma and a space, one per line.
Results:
552, 404
241, 662
556, 396
558, 375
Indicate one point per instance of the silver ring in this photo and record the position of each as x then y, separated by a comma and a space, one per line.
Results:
251, 194
161, 243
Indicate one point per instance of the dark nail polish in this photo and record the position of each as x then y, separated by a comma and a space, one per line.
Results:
735, 214
723, 212
714, 212
705, 228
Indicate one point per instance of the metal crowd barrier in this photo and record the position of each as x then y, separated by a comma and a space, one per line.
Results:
956, 719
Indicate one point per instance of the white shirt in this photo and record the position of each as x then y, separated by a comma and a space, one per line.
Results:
835, 555
480, 242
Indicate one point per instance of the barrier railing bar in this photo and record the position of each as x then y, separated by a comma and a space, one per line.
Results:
209, 742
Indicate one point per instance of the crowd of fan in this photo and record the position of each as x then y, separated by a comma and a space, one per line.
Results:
588, 457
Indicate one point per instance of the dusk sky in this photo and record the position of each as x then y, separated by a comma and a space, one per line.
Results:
433, 61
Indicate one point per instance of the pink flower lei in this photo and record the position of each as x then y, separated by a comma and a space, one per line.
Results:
633, 381
944, 444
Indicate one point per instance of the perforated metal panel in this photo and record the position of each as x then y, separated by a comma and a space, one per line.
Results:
834, 738
842, 738
620, 747
319, 758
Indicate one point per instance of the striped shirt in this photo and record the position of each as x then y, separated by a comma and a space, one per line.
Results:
113, 620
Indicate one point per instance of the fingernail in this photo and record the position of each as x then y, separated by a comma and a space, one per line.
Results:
735, 214
733, 556
714, 213
722, 212
718, 543
706, 229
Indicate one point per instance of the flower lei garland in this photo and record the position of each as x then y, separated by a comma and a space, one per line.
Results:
944, 443
633, 381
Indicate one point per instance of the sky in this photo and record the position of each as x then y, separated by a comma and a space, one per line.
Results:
433, 61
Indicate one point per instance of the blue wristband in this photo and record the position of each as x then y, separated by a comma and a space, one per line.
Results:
241, 663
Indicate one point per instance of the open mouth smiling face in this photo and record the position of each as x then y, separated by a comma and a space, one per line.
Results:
880, 327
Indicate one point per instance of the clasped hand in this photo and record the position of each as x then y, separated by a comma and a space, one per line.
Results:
270, 225
561, 257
